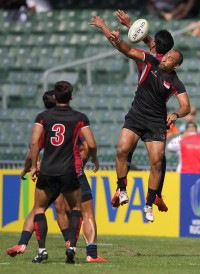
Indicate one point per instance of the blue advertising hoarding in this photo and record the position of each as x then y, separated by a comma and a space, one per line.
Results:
190, 205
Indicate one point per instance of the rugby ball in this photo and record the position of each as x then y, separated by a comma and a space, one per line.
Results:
138, 31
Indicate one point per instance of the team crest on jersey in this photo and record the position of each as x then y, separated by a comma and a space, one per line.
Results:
167, 85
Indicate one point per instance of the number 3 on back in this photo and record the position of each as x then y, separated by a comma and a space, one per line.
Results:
59, 139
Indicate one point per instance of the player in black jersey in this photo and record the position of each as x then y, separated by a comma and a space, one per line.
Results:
148, 118
61, 125
159, 45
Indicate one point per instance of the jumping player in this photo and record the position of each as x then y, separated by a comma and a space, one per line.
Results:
161, 44
147, 117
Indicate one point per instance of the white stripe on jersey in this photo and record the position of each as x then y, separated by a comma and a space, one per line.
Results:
38, 124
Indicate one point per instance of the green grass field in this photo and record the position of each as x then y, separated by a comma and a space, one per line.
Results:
126, 254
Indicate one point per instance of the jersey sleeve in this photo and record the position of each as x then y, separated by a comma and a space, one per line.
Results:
39, 120
84, 121
178, 88
149, 59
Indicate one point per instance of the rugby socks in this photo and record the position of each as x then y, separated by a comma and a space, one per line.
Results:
65, 233
25, 237
129, 158
40, 225
159, 191
151, 196
75, 226
91, 250
122, 183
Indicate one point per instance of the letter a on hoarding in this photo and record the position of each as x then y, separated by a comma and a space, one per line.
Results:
112, 212
138, 186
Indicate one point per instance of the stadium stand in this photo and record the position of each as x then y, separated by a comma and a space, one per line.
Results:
61, 36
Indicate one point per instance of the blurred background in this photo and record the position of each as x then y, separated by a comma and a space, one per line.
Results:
37, 35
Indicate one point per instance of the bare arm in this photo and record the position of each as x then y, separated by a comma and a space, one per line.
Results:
184, 109
36, 135
125, 20
84, 152
99, 23
92, 147
125, 48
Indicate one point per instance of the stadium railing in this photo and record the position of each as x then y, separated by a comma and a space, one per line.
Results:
87, 62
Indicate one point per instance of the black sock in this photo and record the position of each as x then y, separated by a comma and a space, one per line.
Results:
75, 226
129, 158
25, 237
40, 225
122, 183
151, 196
91, 250
159, 191
65, 233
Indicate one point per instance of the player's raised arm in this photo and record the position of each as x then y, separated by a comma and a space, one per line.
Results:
125, 48
99, 23
125, 20
92, 147
36, 135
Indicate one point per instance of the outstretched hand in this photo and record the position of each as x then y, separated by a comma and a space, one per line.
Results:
114, 35
97, 21
123, 18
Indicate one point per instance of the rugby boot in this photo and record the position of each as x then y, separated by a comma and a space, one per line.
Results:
160, 203
40, 257
98, 259
68, 243
148, 212
70, 255
120, 198
17, 249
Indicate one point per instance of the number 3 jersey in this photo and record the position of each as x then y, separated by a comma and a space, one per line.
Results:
62, 126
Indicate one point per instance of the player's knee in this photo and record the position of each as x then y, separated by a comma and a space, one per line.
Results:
59, 208
122, 151
156, 165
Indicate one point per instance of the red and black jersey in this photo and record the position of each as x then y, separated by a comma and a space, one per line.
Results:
62, 126
154, 90
142, 66
77, 155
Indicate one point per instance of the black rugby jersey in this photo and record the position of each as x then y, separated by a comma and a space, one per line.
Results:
61, 125
154, 90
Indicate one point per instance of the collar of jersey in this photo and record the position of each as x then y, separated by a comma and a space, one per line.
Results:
62, 107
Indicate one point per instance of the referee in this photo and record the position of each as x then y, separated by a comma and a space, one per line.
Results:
147, 119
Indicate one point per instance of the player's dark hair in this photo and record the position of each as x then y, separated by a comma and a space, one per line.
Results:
180, 59
191, 123
63, 92
164, 41
48, 100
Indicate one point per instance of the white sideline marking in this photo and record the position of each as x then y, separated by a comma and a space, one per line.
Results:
5, 263
103, 244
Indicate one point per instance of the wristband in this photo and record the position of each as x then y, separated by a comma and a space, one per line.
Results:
118, 41
175, 113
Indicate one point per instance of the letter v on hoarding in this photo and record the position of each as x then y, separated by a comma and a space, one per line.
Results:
112, 212
138, 186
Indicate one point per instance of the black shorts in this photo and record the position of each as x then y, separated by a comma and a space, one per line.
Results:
147, 130
55, 195
67, 183
85, 187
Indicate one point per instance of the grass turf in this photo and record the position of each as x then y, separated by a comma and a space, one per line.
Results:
126, 254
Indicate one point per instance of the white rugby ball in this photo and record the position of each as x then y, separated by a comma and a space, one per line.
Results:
138, 31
